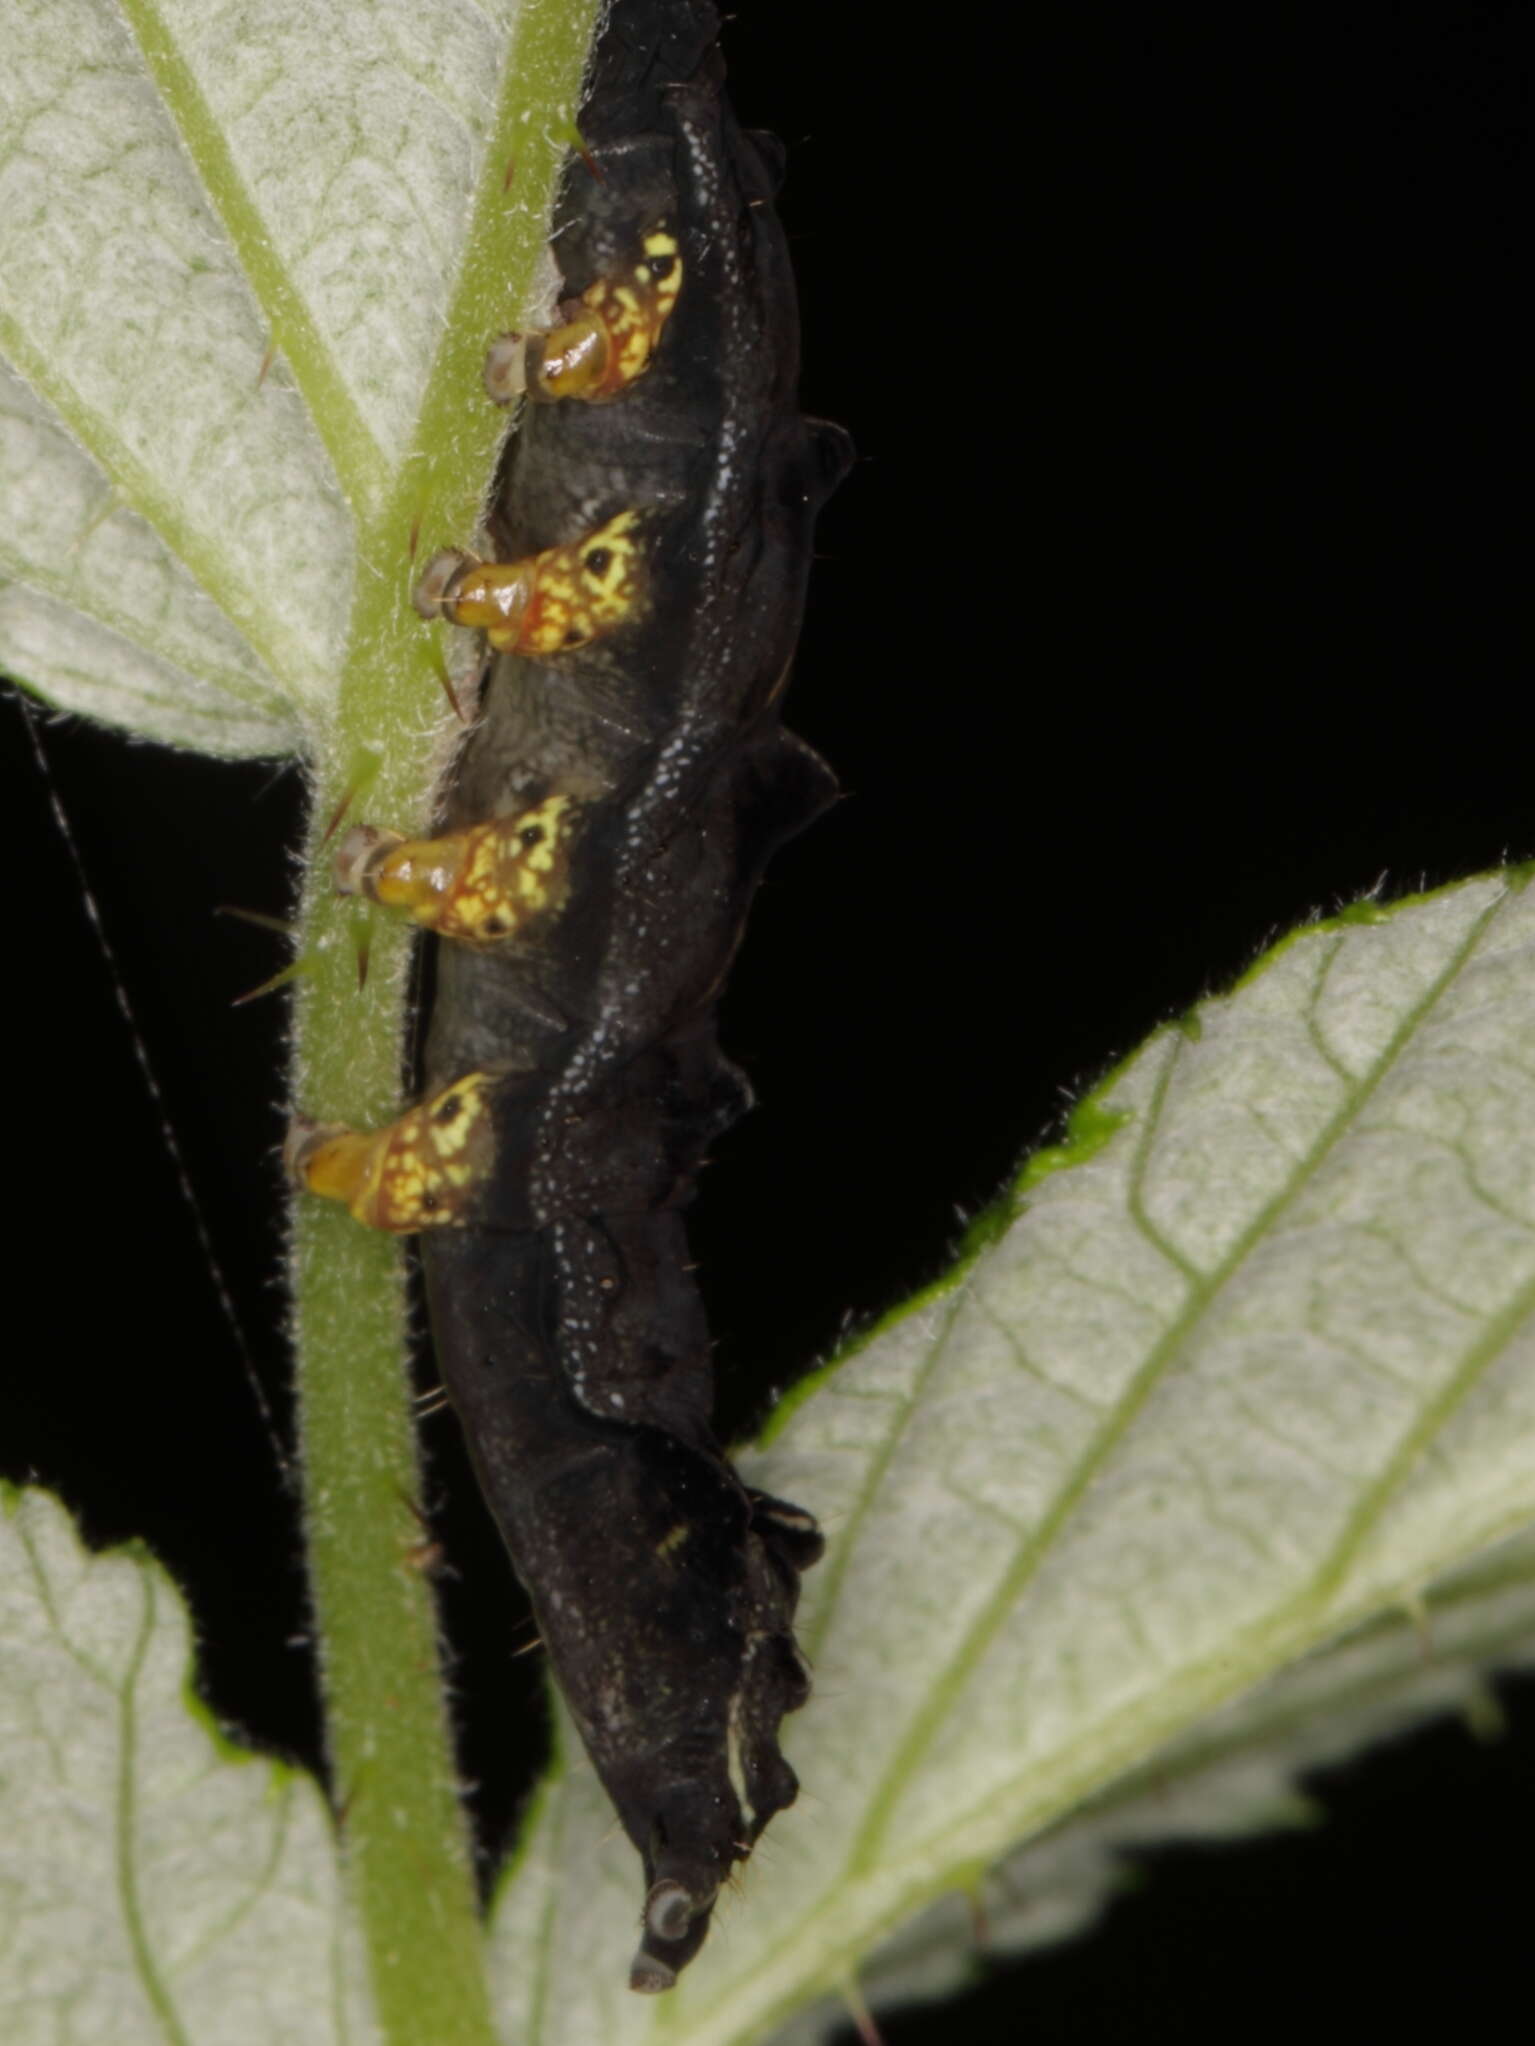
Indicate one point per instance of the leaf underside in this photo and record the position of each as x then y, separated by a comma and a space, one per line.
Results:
156, 1884
226, 262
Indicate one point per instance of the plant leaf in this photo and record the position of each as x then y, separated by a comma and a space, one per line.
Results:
1247, 1365
225, 263
100, 617
1234, 1774
156, 1884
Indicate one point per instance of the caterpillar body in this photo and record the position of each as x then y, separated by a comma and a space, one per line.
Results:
608, 822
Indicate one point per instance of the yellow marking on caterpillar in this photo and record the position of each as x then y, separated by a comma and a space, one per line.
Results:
583, 590
605, 340
478, 886
673, 1539
418, 1172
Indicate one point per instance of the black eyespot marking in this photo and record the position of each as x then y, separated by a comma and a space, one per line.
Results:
600, 560
574, 637
429, 1202
493, 926
532, 834
661, 267
447, 1109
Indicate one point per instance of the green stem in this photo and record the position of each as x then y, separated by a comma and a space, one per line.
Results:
386, 1719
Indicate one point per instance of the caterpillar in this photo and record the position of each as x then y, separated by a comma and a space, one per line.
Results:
608, 821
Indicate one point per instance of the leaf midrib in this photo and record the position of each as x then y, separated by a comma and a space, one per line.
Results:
358, 460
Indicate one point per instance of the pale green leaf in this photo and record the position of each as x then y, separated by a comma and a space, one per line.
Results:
1238, 1772
101, 618
1253, 1365
156, 1885
229, 238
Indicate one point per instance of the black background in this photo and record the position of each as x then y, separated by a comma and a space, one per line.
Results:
1171, 603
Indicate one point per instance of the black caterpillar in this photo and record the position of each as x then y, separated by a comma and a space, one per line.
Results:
610, 818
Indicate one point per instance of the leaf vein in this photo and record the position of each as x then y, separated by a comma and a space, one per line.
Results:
355, 454
925, 1722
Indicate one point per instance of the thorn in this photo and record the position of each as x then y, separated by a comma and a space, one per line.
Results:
511, 172
258, 917
528, 1648
361, 774
447, 687
414, 1508
344, 1807
415, 536
431, 1404
338, 813
426, 1556
569, 133
266, 362
270, 987
364, 954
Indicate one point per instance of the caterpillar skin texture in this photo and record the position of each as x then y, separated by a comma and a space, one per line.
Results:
569, 1331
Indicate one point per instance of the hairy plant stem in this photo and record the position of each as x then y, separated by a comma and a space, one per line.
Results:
386, 1720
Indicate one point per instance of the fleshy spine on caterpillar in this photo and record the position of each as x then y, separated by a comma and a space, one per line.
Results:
605, 338
547, 603
420, 1171
478, 886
